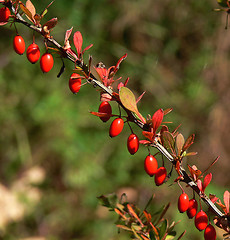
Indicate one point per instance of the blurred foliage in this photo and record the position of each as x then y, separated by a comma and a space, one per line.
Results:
177, 50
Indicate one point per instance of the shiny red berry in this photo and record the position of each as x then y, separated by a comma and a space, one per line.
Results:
201, 220
210, 233
133, 143
116, 127
19, 45
192, 208
150, 165
4, 14
33, 53
75, 83
160, 176
105, 107
183, 202
46, 62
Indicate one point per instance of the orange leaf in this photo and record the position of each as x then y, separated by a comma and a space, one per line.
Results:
179, 143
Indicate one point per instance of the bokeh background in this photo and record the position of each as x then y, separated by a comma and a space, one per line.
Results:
56, 158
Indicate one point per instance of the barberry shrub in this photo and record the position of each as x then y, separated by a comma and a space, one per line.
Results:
156, 133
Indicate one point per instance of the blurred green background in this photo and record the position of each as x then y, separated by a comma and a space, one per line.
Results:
56, 158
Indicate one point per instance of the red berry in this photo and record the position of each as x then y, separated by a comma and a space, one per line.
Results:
105, 108
133, 143
192, 208
201, 220
210, 233
183, 202
19, 45
160, 176
33, 53
46, 62
150, 165
4, 14
75, 82
116, 127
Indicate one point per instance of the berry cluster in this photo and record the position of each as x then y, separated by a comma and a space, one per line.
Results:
201, 218
33, 53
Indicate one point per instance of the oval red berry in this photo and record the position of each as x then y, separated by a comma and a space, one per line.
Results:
33, 53
201, 220
116, 127
75, 83
19, 45
210, 233
160, 176
105, 107
183, 202
151, 165
192, 208
46, 62
133, 143
4, 14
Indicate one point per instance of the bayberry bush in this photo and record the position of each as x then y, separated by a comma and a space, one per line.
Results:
166, 149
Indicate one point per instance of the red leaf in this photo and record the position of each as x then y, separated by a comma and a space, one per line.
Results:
213, 198
207, 180
119, 62
78, 40
88, 47
140, 97
144, 142
157, 119
199, 185
227, 200
148, 135
68, 33
188, 142
51, 23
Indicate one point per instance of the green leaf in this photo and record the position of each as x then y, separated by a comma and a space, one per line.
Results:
109, 200
163, 228
128, 99
168, 140
222, 3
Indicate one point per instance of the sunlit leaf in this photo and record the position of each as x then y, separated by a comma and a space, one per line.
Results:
128, 99
124, 227
30, 7
27, 12
200, 185
179, 143
226, 200
194, 171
